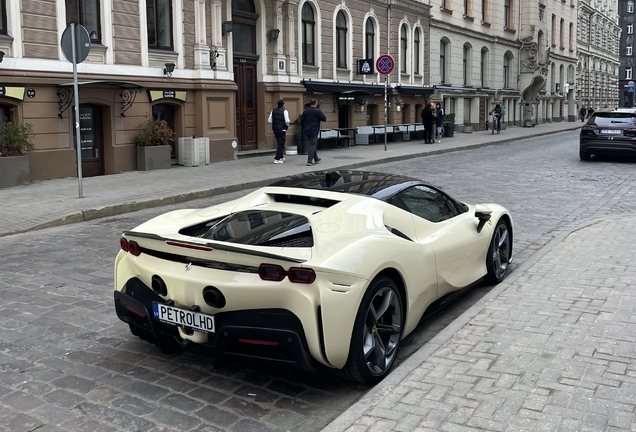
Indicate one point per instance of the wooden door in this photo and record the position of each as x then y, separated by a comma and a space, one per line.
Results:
91, 141
482, 114
246, 112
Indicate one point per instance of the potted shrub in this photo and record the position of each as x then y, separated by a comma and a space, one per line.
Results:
449, 124
15, 143
301, 144
153, 145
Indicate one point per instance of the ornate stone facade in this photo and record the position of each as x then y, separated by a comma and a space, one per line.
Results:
598, 38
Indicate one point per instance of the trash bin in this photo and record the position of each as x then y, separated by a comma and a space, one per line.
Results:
301, 144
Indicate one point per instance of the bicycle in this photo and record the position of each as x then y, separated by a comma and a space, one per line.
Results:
496, 124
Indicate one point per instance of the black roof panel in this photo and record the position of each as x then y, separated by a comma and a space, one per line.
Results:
359, 182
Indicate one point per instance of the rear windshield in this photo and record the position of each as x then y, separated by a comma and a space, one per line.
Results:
617, 119
263, 228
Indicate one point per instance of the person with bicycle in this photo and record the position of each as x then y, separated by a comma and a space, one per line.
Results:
498, 112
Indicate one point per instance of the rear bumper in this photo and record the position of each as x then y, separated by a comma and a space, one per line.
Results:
608, 147
270, 335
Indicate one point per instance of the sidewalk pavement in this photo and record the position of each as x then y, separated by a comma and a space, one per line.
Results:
56, 202
551, 348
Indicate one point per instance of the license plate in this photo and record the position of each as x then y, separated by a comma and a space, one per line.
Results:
171, 315
611, 131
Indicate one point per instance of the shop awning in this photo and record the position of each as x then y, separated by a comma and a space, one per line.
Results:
415, 91
128, 94
338, 87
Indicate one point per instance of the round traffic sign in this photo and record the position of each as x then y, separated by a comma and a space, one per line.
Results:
82, 43
384, 64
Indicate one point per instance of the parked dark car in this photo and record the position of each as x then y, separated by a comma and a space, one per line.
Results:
610, 133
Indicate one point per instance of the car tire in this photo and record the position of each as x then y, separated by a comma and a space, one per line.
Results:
377, 333
499, 253
585, 156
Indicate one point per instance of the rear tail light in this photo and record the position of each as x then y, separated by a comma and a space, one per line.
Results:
274, 272
129, 246
301, 275
271, 272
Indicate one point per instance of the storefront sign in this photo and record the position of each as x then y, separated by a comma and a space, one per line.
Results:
12, 92
30, 93
155, 95
365, 67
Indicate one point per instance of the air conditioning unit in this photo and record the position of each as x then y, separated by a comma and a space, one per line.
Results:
193, 151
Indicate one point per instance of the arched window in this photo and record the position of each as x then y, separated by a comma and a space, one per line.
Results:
506, 71
403, 48
416, 48
370, 39
341, 40
467, 65
442, 61
308, 29
483, 67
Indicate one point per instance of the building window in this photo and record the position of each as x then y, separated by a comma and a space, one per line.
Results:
484, 10
562, 33
84, 12
341, 40
507, 14
416, 47
442, 62
482, 66
628, 73
309, 25
370, 39
468, 6
3, 16
571, 37
159, 19
506, 72
628, 50
630, 6
630, 28
466, 60
403, 48
553, 30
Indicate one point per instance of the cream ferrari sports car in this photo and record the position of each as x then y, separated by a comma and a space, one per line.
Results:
324, 268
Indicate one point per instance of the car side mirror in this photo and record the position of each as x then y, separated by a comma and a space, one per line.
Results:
483, 214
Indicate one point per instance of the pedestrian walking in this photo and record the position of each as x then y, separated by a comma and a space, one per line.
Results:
310, 124
590, 111
440, 121
279, 118
582, 113
427, 121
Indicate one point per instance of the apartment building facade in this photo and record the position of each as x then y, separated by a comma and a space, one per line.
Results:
210, 68
627, 59
598, 40
474, 59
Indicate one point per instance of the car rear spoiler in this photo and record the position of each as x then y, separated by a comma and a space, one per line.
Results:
215, 245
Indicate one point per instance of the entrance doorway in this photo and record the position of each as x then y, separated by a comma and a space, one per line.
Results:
166, 112
244, 17
482, 114
246, 112
91, 140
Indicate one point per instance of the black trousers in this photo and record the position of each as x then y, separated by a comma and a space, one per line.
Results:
280, 140
428, 132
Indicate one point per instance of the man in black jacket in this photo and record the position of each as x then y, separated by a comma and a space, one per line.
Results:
310, 124
279, 118
427, 121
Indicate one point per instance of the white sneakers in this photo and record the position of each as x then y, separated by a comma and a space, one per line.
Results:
279, 161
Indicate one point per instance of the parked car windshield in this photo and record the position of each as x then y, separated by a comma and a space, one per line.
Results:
614, 119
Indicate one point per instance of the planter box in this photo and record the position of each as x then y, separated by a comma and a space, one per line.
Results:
153, 157
14, 171
449, 130
468, 129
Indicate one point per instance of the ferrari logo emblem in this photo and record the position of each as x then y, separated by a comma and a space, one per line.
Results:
188, 267
374, 329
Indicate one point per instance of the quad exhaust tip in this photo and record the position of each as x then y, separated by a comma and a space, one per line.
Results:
213, 297
159, 286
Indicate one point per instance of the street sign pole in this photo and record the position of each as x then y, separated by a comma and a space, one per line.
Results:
384, 65
385, 109
76, 44
78, 142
